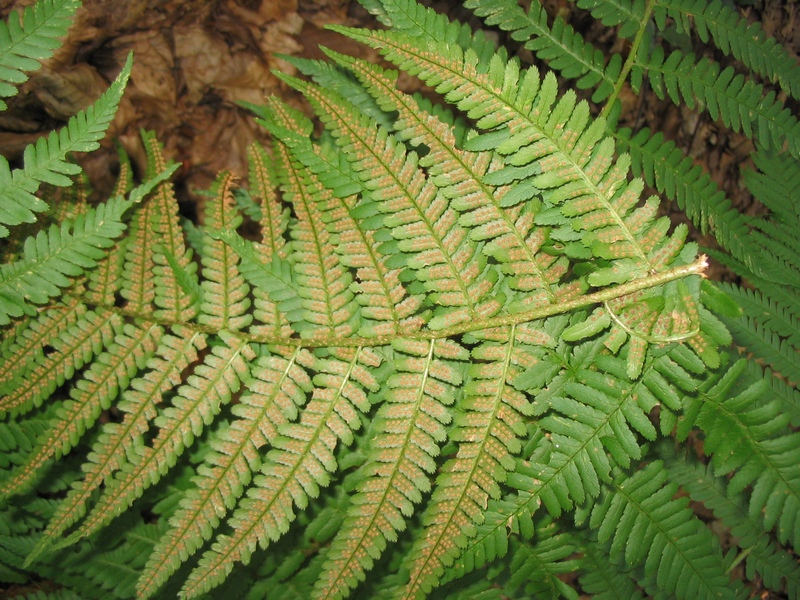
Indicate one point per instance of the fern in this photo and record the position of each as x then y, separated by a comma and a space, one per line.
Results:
460, 357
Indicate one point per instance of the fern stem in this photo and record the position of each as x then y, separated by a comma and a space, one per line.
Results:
629, 62
698, 267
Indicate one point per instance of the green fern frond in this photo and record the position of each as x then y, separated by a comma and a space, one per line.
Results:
486, 429
648, 526
746, 435
278, 385
54, 257
30, 37
671, 172
139, 404
225, 292
558, 44
386, 306
274, 221
536, 565
197, 402
733, 35
741, 103
411, 425
76, 345
602, 576
428, 238
44, 161
170, 245
24, 347
89, 396
487, 211
762, 556
299, 464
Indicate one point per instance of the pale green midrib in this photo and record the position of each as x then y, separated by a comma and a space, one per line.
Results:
502, 382
633, 51
45, 24
331, 588
244, 533
155, 574
696, 268
412, 201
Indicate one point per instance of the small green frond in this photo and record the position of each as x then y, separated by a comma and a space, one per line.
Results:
29, 38
733, 35
44, 161
24, 348
761, 554
273, 276
91, 394
225, 293
169, 296
558, 44
747, 437
537, 564
54, 258
76, 344
648, 526
740, 103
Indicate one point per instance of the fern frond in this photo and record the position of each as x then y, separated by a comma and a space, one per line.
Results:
323, 281
601, 575
487, 433
492, 214
649, 526
30, 37
278, 387
761, 554
24, 347
173, 304
197, 402
411, 427
138, 403
274, 221
559, 45
91, 394
57, 255
138, 284
665, 167
75, 346
45, 161
428, 238
554, 144
746, 435
733, 35
300, 463
386, 306
417, 20
225, 293
536, 565
741, 103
